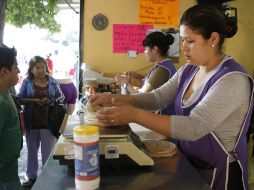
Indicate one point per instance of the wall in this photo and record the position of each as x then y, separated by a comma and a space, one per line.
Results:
241, 46
98, 44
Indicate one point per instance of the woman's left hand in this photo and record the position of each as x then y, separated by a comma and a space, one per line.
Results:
119, 114
46, 101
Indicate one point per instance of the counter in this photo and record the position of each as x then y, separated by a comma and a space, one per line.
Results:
174, 173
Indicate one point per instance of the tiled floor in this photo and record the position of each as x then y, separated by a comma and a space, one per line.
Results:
22, 163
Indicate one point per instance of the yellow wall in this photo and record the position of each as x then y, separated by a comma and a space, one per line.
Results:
98, 44
241, 46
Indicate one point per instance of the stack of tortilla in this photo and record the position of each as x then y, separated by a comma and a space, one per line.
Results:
90, 115
160, 148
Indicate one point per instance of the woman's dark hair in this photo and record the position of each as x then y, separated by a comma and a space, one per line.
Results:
7, 56
205, 19
32, 63
159, 39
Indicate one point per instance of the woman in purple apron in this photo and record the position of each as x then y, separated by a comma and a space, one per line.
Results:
156, 46
213, 101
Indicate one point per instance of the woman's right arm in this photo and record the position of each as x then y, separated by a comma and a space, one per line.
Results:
135, 75
155, 100
25, 101
161, 97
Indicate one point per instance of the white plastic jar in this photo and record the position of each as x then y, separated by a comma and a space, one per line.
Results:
86, 155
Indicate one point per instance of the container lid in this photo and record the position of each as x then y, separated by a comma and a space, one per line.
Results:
86, 130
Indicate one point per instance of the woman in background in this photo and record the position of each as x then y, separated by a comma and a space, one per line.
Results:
37, 92
156, 46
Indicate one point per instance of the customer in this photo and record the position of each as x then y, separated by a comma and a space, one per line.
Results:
10, 134
156, 46
213, 98
37, 92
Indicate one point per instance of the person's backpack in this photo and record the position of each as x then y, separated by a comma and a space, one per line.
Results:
56, 115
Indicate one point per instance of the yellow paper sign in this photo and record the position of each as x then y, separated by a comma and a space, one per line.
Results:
159, 12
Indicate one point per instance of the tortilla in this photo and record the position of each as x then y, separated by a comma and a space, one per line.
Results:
161, 148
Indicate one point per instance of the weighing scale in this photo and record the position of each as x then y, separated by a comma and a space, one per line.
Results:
115, 144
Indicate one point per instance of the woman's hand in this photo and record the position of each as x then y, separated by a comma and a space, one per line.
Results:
102, 99
46, 101
38, 101
120, 113
122, 79
41, 102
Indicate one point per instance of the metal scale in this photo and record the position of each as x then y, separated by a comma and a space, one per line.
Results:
115, 144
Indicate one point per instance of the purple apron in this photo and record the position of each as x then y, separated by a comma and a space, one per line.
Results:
167, 64
207, 154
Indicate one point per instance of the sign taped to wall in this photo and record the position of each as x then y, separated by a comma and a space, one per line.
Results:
159, 12
129, 37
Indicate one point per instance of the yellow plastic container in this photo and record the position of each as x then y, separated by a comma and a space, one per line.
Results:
86, 154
